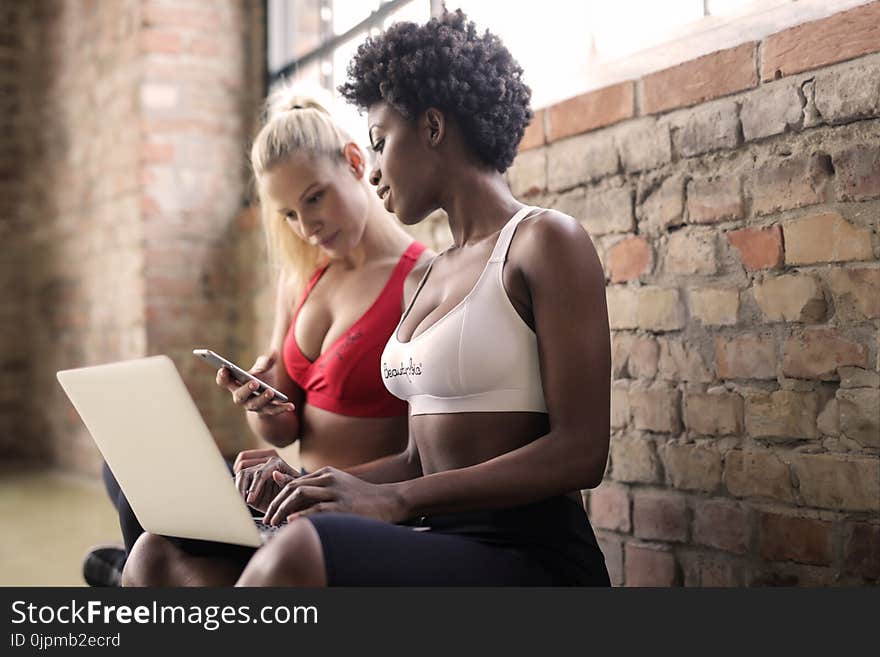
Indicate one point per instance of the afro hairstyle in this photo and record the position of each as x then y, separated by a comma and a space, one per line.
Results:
446, 64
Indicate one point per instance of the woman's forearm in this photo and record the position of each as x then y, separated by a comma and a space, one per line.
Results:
542, 469
279, 430
388, 469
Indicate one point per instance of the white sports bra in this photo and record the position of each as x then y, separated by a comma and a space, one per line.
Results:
480, 356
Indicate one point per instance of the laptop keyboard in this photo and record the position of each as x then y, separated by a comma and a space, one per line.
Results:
267, 531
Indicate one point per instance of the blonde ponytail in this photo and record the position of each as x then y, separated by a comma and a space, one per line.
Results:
293, 124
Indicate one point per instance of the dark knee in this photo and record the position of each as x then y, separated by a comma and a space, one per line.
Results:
148, 563
292, 558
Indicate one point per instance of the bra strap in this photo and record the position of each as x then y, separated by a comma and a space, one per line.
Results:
408, 260
499, 253
308, 289
415, 294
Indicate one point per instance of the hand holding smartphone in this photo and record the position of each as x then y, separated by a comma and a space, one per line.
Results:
238, 374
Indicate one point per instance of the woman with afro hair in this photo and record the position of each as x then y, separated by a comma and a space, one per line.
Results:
503, 352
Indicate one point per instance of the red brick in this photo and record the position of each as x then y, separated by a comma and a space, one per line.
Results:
714, 414
161, 41
713, 200
793, 575
534, 135
659, 515
718, 571
858, 173
528, 176
723, 525
149, 206
759, 248
609, 507
612, 549
591, 110
153, 153
176, 16
622, 307
629, 259
859, 410
620, 414
834, 39
662, 206
746, 357
856, 292
710, 569
825, 237
839, 482
817, 353
649, 566
753, 473
794, 182
711, 76
691, 251
656, 408
790, 298
634, 459
621, 345
862, 550
787, 538
782, 414
204, 46
681, 361
643, 358
660, 309
691, 467
843, 94
706, 128
643, 144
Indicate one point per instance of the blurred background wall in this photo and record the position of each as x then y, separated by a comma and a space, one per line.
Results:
733, 196
125, 128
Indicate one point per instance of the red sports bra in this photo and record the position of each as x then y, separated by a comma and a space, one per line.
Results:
346, 379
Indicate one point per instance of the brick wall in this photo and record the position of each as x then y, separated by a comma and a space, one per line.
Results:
202, 83
78, 197
124, 153
735, 203
734, 200
13, 237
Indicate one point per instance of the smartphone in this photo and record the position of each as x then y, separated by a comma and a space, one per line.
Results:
238, 374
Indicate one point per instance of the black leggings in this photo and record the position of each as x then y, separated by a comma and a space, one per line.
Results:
128, 523
548, 543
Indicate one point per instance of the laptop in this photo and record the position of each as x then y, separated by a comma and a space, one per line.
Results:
150, 433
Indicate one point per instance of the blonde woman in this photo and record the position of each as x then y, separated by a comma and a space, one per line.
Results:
345, 267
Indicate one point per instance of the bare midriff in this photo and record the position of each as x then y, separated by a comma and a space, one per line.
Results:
342, 441
458, 440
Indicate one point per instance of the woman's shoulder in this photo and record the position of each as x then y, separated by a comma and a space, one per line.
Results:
552, 248
289, 287
547, 228
422, 262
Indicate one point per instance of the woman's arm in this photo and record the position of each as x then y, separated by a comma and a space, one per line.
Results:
282, 429
392, 468
567, 289
571, 321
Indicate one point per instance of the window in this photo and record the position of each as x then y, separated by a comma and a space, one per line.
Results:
312, 41
565, 47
